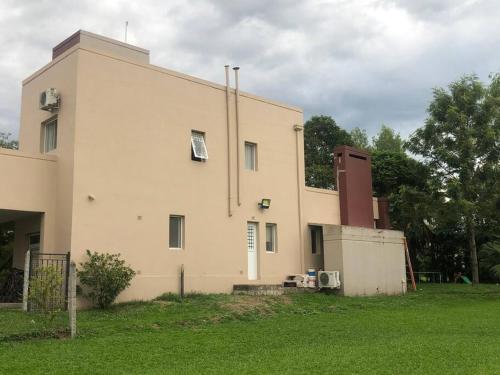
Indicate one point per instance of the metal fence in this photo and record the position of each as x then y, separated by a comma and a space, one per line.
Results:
48, 281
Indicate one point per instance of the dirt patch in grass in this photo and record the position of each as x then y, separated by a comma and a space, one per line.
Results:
60, 334
263, 304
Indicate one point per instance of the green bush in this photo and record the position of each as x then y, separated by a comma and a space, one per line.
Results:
106, 276
46, 294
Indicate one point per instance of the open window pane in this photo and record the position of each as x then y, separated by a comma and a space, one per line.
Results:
250, 156
198, 145
176, 232
271, 236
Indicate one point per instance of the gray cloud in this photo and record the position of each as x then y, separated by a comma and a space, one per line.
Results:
365, 63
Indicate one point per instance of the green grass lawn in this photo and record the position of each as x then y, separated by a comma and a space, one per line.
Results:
448, 329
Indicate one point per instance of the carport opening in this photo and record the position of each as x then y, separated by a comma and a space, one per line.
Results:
19, 232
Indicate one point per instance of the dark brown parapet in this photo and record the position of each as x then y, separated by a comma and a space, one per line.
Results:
66, 44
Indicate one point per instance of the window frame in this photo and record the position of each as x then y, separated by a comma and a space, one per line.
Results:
181, 232
194, 155
314, 230
274, 234
43, 138
254, 155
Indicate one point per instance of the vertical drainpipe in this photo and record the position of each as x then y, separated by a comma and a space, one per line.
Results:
228, 124
237, 87
298, 129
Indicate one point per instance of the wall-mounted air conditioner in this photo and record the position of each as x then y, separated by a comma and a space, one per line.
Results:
50, 100
329, 279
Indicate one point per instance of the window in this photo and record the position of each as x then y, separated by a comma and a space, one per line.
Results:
316, 239
198, 146
250, 156
49, 135
271, 238
176, 232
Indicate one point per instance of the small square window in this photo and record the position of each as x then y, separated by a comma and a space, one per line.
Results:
198, 146
49, 135
250, 156
176, 232
316, 239
271, 238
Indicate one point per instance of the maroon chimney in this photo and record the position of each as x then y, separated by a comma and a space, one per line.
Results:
353, 171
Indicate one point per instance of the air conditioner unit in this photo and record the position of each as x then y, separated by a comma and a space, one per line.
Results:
329, 279
49, 100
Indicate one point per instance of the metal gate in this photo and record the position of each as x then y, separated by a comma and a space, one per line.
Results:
48, 281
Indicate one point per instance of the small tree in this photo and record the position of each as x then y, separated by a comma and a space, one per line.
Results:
45, 293
106, 275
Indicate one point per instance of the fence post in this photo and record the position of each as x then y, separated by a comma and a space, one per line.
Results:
26, 280
72, 298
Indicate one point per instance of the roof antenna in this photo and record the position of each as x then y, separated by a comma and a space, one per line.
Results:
126, 27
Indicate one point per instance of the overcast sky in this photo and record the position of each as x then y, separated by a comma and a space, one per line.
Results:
363, 62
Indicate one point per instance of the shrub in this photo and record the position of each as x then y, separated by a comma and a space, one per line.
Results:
46, 293
106, 276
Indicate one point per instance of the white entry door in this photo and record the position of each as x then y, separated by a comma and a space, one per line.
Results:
252, 251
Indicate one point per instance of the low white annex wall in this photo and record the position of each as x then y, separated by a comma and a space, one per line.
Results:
370, 261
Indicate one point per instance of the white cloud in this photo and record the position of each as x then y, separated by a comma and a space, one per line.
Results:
363, 62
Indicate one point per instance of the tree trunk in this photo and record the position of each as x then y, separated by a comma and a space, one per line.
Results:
471, 238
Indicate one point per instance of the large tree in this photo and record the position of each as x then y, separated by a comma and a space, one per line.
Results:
461, 143
360, 139
391, 170
321, 136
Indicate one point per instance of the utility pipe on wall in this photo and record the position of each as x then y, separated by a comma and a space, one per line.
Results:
228, 124
298, 129
237, 87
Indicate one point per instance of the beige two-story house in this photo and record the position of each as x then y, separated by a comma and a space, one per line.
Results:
171, 170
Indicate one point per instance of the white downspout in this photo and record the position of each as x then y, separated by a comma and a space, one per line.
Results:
237, 87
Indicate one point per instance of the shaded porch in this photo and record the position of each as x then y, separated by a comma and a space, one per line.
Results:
20, 231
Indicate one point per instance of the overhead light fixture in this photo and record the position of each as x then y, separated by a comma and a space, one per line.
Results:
265, 203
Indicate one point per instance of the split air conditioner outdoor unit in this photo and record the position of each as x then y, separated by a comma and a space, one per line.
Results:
49, 100
329, 279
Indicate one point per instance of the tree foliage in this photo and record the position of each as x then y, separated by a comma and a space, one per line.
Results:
360, 139
321, 136
388, 140
391, 170
490, 259
461, 144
